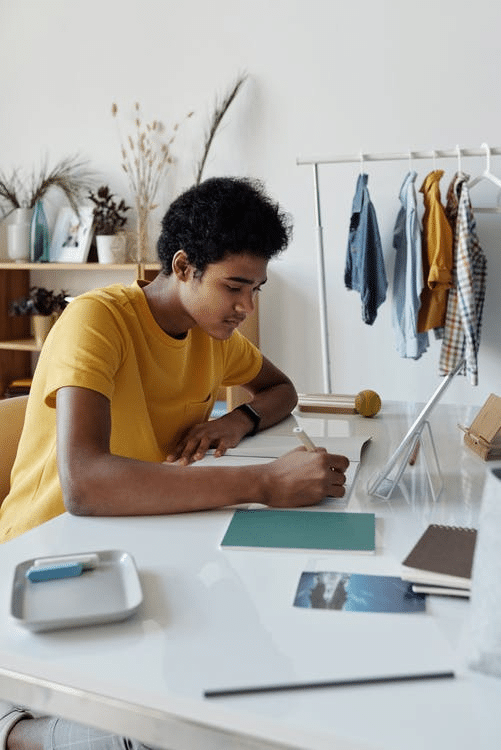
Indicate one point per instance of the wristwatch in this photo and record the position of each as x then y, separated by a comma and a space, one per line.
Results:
252, 414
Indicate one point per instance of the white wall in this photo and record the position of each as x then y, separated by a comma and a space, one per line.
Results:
325, 77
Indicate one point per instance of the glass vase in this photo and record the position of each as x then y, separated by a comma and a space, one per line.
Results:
39, 235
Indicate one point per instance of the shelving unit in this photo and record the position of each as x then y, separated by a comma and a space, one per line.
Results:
16, 343
20, 345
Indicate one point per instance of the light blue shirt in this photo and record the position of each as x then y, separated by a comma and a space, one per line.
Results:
408, 274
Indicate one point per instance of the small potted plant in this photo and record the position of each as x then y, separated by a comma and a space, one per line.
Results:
44, 306
109, 218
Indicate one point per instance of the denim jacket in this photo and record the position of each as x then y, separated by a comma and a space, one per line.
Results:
364, 270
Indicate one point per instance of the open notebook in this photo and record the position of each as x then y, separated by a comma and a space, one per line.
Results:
264, 447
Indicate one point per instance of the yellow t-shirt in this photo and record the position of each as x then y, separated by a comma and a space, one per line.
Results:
108, 341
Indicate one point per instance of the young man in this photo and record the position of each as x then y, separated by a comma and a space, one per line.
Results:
124, 387
126, 381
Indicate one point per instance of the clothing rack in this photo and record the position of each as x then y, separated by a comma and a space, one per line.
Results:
314, 161
455, 153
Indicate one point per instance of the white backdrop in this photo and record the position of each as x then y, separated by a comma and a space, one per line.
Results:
324, 77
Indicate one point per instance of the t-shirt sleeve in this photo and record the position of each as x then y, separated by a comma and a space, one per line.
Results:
86, 348
243, 360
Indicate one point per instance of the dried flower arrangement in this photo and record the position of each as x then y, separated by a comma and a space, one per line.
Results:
220, 109
146, 158
109, 216
40, 301
70, 175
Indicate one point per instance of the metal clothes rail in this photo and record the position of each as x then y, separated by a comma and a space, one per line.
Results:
455, 153
314, 161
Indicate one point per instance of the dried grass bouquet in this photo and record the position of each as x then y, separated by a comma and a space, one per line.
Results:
146, 158
70, 175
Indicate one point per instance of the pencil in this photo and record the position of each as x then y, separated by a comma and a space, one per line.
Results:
305, 439
414, 454
228, 692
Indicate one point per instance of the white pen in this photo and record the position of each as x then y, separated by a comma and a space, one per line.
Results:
88, 560
305, 439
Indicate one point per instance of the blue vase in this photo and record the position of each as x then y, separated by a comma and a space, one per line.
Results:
39, 235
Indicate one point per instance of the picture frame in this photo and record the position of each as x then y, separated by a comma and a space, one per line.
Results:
72, 235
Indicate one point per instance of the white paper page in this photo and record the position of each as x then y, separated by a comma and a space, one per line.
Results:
273, 446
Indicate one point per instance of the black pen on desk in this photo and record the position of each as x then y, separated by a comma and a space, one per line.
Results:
305, 439
228, 692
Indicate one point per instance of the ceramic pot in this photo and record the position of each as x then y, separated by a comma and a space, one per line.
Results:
111, 248
19, 235
41, 325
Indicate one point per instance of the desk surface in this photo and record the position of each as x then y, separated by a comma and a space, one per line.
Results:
214, 618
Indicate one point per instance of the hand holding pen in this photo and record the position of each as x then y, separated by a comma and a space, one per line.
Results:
305, 439
306, 477
311, 447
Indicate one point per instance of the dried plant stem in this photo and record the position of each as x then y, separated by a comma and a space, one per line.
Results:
9, 189
143, 214
70, 175
218, 114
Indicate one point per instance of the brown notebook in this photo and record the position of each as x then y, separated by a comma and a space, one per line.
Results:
443, 556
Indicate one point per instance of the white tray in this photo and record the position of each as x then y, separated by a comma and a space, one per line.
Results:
109, 592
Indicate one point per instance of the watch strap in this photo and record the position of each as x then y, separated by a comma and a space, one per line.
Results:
253, 415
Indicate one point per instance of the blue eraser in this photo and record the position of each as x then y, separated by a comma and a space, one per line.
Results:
50, 572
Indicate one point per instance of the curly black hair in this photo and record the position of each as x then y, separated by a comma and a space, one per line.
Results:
219, 217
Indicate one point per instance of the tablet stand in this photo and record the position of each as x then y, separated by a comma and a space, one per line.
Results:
382, 484
384, 481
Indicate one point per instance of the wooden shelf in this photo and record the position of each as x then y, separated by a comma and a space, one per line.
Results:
11, 266
20, 345
16, 347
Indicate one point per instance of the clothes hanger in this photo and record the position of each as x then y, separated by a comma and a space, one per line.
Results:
486, 175
458, 151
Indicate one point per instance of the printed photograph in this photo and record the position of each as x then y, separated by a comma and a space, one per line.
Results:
72, 235
355, 592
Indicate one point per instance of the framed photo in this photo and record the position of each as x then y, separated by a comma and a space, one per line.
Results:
72, 235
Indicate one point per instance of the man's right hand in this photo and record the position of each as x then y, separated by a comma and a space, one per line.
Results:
302, 478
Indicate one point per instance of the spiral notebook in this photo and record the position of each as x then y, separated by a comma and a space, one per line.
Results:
442, 556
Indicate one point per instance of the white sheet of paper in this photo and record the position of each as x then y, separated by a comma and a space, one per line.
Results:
273, 446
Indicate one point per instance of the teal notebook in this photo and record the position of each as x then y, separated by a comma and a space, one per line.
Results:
331, 531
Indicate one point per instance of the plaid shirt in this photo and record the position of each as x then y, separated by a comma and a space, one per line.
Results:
466, 298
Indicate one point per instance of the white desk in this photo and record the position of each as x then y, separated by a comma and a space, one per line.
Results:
207, 612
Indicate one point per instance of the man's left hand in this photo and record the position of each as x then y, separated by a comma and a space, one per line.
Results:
220, 434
